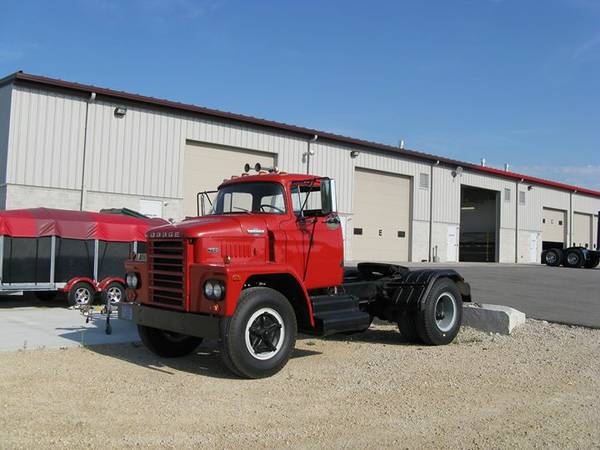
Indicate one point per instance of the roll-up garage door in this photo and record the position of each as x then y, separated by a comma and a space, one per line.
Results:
381, 221
554, 226
582, 230
206, 166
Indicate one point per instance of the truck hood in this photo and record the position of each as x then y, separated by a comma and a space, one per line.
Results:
237, 225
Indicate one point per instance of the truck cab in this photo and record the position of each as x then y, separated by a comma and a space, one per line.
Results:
266, 261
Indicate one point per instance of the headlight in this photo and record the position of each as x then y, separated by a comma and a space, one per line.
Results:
209, 289
132, 280
214, 290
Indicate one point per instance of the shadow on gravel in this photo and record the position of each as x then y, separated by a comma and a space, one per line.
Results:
205, 361
392, 337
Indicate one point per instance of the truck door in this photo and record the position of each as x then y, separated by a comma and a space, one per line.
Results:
315, 246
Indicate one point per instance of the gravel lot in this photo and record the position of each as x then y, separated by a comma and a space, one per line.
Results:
537, 388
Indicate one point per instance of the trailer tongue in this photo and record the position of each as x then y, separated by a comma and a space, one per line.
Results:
267, 262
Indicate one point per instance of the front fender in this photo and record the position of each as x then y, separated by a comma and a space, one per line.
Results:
415, 285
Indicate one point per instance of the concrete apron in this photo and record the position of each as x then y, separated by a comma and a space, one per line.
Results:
492, 318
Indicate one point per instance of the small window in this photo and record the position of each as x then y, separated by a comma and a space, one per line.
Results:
424, 181
507, 195
543, 220
560, 222
358, 231
521, 197
401, 234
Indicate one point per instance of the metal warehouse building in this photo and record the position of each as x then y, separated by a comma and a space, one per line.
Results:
72, 146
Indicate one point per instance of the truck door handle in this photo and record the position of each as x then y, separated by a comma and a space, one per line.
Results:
333, 219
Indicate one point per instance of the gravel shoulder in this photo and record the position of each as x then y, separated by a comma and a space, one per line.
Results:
536, 388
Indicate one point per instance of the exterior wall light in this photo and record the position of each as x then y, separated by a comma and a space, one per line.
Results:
354, 154
120, 111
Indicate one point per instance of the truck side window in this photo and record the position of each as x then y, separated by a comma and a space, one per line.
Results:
300, 192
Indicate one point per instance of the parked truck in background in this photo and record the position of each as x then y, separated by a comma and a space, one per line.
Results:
266, 263
574, 257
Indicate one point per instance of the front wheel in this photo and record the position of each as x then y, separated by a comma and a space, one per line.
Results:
440, 318
166, 343
258, 340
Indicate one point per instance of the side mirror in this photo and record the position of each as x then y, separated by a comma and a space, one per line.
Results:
328, 198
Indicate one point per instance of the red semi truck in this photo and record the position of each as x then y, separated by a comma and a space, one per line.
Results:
267, 262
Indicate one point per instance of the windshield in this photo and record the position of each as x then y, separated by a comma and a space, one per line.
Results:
259, 197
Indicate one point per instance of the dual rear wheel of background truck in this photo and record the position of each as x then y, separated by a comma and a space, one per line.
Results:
439, 320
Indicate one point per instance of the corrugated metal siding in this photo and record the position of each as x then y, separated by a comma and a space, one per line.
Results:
46, 139
5, 107
586, 204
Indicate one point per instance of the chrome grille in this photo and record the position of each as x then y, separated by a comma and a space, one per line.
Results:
166, 260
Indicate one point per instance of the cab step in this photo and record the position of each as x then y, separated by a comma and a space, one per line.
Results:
338, 314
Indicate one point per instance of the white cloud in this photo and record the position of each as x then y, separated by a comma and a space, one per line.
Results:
587, 176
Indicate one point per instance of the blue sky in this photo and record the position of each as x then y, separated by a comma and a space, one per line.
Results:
511, 81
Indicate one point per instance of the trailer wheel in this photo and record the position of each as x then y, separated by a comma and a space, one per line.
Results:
553, 257
167, 344
113, 293
81, 294
439, 320
258, 340
574, 258
407, 324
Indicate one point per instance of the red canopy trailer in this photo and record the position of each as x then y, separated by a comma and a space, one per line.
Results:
79, 253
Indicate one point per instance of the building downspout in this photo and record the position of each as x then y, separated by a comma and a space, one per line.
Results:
310, 152
85, 133
431, 209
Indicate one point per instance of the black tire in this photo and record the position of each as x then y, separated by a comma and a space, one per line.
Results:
574, 258
439, 321
407, 324
46, 296
81, 294
592, 263
264, 351
553, 257
167, 344
115, 292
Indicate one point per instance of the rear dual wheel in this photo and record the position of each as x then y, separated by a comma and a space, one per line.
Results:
439, 320
553, 257
574, 258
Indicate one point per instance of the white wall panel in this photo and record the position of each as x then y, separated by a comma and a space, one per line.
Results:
46, 139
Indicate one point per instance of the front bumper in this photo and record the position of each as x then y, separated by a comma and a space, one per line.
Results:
190, 324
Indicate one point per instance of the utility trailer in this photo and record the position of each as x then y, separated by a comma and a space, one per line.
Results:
573, 257
267, 262
51, 251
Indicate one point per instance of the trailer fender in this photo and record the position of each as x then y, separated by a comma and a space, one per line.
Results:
75, 280
415, 285
106, 281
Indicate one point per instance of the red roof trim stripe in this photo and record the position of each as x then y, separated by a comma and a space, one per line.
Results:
309, 132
